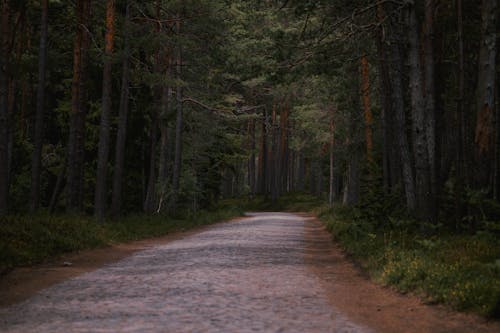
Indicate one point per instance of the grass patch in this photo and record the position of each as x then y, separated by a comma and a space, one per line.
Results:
31, 239
459, 270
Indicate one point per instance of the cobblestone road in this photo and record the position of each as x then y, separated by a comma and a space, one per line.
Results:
243, 276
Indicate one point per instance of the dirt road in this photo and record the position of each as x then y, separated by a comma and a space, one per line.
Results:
270, 272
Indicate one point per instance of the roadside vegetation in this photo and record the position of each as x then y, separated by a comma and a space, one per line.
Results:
27, 240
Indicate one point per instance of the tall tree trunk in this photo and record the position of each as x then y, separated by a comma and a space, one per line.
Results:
352, 184
79, 105
365, 89
251, 160
4, 126
116, 202
178, 126
103, 152
486, 90
165, 139
274, 158
461, 142
40, 101
331, 191
430, 112
263, 156
390, 156
421, 153
149, 203
398, 108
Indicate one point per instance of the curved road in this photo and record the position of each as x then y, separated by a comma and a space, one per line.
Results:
247, 275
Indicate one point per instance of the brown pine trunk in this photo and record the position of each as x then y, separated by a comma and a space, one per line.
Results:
485, 91
420, 144
121, 136
365, 89
79, 105
40, 100
100, 199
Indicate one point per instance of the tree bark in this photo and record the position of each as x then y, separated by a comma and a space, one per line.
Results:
420, 143
100, 199
165, 139
263, 156
398, 109
40, 105
251, 160
116, 202
79, 105
486, 90
365, 89
4, 126
331, 191
430, 112
178, 126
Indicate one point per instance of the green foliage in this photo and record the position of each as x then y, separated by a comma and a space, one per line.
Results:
459, 270
26, 240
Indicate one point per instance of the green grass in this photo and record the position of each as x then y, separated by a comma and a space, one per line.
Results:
460, 270
31, 239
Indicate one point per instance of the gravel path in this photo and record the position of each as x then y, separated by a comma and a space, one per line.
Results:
247, 275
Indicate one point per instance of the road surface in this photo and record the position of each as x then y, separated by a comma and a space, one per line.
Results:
247, 275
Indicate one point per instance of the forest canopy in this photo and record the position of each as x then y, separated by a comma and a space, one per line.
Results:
113, 107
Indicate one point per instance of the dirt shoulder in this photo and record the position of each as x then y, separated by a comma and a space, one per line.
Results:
23, 282
383, 309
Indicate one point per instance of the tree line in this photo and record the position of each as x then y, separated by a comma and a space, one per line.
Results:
165, 106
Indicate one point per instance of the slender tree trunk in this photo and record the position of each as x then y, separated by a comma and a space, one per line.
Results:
430, 112
121, 136
274, 158
40, 101
149, 203
461, 142
263, 156
389, 153
331, 192
251, 160
351, 190
57, 188
398, 108
4, 126
178, 126
486, 90
104, 131
301, 172
79, 106
365, 89
165, 139
421, 153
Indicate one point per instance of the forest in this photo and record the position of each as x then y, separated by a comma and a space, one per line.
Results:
385, 113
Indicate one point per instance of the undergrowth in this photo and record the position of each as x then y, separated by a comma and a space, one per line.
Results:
460, 270
31, 239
